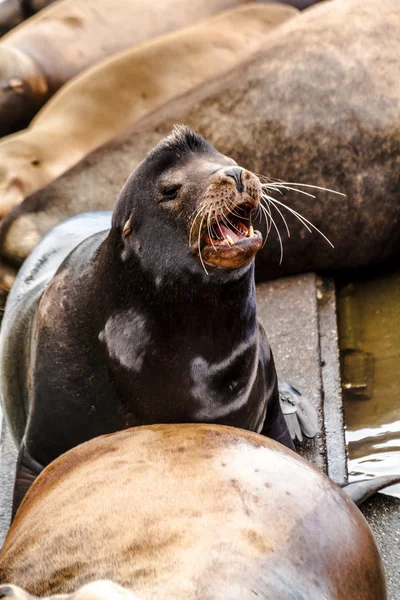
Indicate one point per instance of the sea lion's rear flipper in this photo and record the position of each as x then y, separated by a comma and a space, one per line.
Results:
27, 471
300, 415
359, 491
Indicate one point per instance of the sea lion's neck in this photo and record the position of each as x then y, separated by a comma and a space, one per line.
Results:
190, 346
183, 294
203, 314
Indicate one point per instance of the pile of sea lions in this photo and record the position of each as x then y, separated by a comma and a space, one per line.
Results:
297, 107
47, 50
155, 438
72, 124
154, 320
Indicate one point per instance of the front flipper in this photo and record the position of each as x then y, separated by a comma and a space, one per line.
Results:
359, 491
300, 415
27, 471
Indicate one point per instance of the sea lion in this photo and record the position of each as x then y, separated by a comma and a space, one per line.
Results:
125, 87
296, 112
66, 38
152, 321
190, 511
12, 12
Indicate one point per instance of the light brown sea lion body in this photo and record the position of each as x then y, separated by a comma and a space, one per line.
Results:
111, 96
190, 511
319, 105
68, 37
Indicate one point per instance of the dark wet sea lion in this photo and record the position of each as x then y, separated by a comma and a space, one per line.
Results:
297, 112
68, 37
190, 511
153, 321
125, 87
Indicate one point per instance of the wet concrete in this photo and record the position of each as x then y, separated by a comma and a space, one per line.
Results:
299, 314
383, 515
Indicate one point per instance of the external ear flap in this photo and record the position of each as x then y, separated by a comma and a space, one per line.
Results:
127, 230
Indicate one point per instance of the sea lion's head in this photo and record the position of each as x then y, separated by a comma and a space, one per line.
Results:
23, 89
186, 202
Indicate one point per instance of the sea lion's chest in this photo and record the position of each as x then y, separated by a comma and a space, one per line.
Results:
181, 374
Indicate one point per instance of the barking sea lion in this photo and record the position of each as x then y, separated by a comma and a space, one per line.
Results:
152, 321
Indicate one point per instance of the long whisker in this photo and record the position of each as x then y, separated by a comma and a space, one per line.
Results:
285, 187
271, 186
194, 221
269, 220
268, 181
301, 219
231, 208
267, 212
279, 238
209, 228
200, 256
265, 216
282, 217
279, 182
221, 212
226, 220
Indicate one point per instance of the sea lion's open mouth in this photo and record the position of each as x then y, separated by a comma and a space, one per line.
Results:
231, 242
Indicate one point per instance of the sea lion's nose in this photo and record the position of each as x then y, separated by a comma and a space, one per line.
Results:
236, 174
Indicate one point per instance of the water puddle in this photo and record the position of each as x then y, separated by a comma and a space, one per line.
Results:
369, 339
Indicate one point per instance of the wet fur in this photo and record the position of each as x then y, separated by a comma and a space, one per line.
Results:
131, 330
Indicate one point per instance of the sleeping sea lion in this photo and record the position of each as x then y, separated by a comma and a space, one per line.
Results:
151, 321
105, 100
12, 12
188, 512
297, 112
64, 39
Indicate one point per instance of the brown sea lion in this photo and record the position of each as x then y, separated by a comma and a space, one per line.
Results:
185, 512
298, 112
12, 12
68, 37
115, 93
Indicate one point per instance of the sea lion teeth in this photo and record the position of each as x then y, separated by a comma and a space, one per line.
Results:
242, 228
230, 240
251, 231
